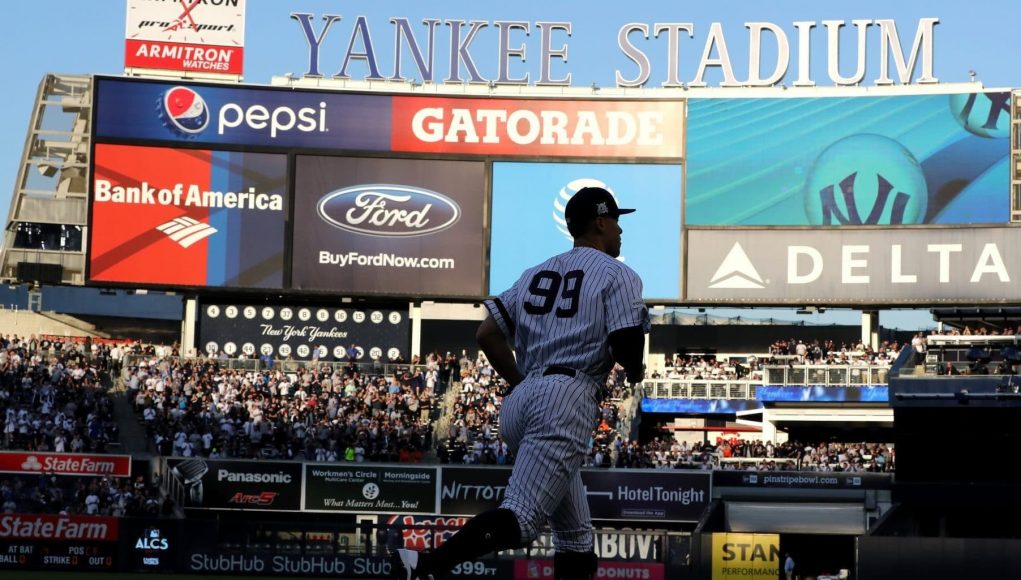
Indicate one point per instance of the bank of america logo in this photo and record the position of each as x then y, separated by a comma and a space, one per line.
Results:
737, 272
186, 231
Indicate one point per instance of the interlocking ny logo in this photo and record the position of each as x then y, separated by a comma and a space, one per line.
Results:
186, 231
737, 272
831, 210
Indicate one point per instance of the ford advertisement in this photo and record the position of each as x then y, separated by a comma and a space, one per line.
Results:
389, 226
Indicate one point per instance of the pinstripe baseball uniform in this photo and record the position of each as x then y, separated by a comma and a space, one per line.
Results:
560, 314
570, 318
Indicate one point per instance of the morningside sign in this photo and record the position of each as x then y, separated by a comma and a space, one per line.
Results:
903, 50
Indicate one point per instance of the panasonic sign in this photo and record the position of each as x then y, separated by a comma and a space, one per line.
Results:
854, 265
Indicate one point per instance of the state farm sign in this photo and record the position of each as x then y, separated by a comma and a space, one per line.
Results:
54, 527
65, 463
557, 128
188, 35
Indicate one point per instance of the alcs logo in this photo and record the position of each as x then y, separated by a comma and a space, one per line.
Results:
185, 113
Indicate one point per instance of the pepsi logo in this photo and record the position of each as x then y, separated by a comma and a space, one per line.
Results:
184, 111
388, 210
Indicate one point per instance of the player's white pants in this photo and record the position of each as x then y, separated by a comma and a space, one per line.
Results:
547, 422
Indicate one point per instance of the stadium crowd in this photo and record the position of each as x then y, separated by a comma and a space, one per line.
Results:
50, 493
198, 407
54, 394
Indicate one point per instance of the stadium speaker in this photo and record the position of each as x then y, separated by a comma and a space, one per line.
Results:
41, 273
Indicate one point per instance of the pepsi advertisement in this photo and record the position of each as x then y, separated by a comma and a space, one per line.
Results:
187, 217
159, 111
849, 161
404, 227
537, 193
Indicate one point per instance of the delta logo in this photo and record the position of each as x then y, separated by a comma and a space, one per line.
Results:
184, 111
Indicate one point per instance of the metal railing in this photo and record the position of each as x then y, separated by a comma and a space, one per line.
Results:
826, 375
781, 376
693, 389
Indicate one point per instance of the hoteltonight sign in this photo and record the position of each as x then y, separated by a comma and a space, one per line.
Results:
517, 42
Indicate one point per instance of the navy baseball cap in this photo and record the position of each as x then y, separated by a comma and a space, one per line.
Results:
590, 203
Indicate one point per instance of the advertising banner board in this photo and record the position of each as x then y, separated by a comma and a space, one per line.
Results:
755, 556
188, 217
849, 161
539, 128
49, 527
537, 193
635, 495
304, 332
238, 484
361, 488
389, 226
799, 480
854, 265
193, 36
237, 115
65, 463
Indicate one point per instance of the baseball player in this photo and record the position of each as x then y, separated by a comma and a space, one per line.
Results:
570, 318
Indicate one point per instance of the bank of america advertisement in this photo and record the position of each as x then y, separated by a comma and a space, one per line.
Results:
187, 217
529, 226
404, 227
186, 36
854, 265
361, 334
891, 160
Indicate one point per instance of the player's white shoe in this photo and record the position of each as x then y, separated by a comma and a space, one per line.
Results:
404, 566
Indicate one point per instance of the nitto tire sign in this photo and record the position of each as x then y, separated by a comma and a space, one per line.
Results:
631, 495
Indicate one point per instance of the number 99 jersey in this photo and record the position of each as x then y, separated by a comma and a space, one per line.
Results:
561, 312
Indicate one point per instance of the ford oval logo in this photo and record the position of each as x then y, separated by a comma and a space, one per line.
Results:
388, 210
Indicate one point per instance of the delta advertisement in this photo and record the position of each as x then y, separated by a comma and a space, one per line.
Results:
305, 119
248, 485
850, 161
632, 495
202, 37
854, 265
190, 217
536, 194
743, 556
65, 463
389, 226
303, 332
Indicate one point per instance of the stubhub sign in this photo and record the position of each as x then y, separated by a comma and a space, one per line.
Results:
161, 111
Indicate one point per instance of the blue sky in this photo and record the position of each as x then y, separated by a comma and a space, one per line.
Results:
87, 37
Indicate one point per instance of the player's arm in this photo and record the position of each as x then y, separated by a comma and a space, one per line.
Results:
627, 322
494, 343
627, 347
